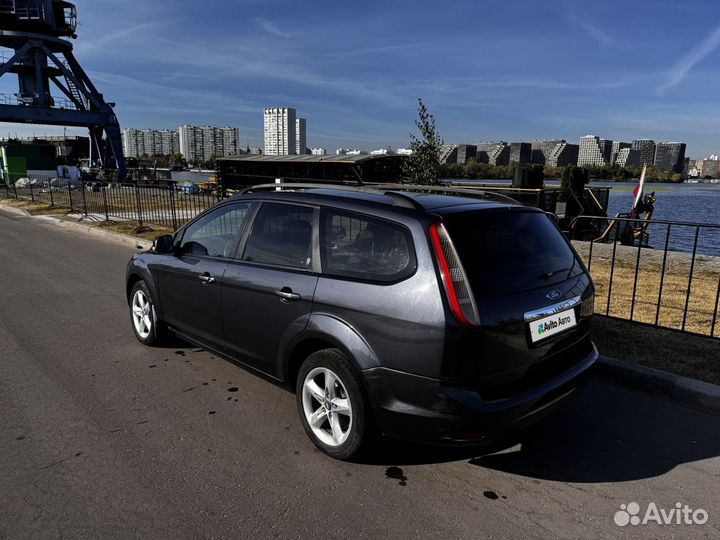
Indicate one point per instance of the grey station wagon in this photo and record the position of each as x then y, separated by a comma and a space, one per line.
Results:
426, 316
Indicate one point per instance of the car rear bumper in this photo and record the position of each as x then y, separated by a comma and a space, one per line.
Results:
424, 409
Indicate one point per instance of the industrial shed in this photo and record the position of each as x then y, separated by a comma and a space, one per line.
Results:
233, 172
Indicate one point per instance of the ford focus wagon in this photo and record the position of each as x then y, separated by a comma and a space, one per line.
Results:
437, 318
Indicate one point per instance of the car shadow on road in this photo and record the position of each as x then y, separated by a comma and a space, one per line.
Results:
607, 434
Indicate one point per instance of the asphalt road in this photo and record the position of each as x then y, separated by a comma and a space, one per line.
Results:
102, 437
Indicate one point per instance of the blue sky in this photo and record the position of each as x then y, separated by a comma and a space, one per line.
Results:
490, 70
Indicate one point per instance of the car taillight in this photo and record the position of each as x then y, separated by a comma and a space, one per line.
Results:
457, 287
587, 308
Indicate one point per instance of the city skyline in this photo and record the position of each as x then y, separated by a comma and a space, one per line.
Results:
563, 71
281, 139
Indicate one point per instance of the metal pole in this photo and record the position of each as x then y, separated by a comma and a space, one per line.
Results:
171, 187
715, 311
32, 193
635, 283
105, 200
52, 200
612, 272
692, 267
139, 205
70, 196
662, 276
84, 188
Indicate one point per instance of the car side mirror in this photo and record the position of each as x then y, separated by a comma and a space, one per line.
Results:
163, 244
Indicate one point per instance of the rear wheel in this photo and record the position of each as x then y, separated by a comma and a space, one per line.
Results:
142, 315
332, 405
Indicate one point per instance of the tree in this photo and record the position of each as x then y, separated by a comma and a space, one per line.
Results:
423, 166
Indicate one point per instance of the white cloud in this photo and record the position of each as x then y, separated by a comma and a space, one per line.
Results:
271, 28
695, 55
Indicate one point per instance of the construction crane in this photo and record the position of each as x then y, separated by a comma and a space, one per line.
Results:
37, 31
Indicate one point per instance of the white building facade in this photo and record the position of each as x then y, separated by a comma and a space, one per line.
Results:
280, 129
201, 143
592, 152
150, 142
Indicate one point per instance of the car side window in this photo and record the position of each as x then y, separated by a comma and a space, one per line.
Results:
281, 235
362, 247
214, 234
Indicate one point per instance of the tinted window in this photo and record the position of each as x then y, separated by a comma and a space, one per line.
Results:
282, 235
505, 252
214, 234
361, 247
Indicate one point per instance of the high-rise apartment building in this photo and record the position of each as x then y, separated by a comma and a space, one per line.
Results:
465, 152
520, 152
542, 149
628, 157
318, 152
494, 153
593, 151
280, 128
230, 141
670, 156
201, 143
647, 150
300, 136
562, 155
150, 142
448, 153
616, 147
606, 146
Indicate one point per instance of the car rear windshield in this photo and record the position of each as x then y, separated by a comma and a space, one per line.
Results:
510, 251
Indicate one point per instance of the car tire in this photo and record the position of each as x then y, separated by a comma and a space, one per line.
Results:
143, 318
334, 411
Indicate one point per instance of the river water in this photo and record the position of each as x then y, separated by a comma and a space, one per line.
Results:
695, 203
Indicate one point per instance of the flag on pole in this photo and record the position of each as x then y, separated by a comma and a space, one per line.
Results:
638, 191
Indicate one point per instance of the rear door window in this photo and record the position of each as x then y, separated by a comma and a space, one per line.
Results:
362, 247
281, 235
510, 251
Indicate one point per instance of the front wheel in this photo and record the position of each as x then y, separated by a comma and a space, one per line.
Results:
142, 315
332, 406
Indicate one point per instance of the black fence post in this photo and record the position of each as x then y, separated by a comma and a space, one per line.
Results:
105, 200
84, 188
32, 193
171, 187
139, 205
70, 196
52, 199
15, 190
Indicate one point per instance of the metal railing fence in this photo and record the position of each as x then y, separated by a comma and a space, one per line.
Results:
166, 204
670, 279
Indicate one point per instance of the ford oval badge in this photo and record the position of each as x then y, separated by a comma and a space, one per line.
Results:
554, 294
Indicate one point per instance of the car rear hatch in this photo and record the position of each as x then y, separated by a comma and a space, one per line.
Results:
520, 297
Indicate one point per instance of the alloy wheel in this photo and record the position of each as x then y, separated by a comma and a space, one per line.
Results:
327, 407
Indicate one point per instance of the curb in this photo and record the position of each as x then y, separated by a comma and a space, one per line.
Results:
16, 211
689, 392
96, 231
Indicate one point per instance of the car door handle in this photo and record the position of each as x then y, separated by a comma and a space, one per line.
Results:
286, 294
206, 278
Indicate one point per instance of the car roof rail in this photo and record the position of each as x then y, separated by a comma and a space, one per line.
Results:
447, 190
399, 199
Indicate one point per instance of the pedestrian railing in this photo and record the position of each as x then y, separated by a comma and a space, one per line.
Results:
165, 205
667, 277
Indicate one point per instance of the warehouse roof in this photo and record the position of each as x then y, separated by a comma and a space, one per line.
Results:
331, 158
